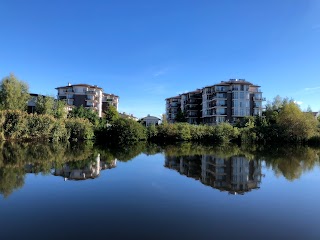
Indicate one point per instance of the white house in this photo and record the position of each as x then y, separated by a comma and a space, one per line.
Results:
150, 120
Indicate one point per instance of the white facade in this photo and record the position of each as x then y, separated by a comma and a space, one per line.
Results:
82, 94
150, 120
110, 100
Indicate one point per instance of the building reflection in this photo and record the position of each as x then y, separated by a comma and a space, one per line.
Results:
91, 170
77, 170
236, 175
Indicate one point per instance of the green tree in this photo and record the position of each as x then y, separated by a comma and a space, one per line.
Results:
294, 124
180, 116
45, 105
81, 112
14, 94
60, 110
125, 131
111, 114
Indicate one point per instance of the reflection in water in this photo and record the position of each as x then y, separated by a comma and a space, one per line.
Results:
227, 168
76, 162
236, 174
88, 170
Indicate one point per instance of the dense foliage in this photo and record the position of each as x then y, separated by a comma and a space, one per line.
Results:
283, 121
14, 94
186, 132
122, 131
18, 125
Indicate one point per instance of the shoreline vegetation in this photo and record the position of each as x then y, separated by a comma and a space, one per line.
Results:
282, 122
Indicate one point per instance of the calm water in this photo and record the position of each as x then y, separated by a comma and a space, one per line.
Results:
151, 192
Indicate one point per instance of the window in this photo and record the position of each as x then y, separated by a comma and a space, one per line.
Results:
235, 95
242, 95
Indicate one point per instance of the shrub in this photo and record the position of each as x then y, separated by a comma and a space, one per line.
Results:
124, 131
79, 129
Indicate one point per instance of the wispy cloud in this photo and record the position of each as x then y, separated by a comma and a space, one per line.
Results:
312, 89
155, 88
160, 72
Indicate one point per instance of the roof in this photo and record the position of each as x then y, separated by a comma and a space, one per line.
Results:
80, 85
150, 117
110, 94
174, 97
36, 95
243, 81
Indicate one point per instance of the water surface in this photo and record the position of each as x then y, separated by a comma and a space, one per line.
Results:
151, 192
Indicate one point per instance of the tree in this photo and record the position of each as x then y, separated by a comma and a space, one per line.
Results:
294, 124
81, 112
60, 110
45, 105
164, 119
180, 116
14, 94
125, 131
111, 114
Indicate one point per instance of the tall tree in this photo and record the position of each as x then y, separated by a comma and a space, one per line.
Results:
45, 105
14, 94
111, 114
81, 112
60, 110
180, 116
295, 124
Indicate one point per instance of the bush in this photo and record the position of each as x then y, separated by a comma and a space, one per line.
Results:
124, 131
79, 129
59, 132
39, 126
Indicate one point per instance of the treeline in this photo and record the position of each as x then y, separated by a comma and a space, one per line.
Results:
50, 120
19, 125
282, 121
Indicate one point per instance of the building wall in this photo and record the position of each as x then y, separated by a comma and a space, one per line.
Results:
224, 102
82, 95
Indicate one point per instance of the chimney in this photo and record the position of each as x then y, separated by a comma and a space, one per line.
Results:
69, 84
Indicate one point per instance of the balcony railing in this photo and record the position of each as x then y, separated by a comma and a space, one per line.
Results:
91, 92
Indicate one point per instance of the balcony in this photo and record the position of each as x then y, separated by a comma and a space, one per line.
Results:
92, 100
259, 98
220, 106
220, 96
91, 92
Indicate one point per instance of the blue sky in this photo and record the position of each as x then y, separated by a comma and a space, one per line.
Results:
148, 50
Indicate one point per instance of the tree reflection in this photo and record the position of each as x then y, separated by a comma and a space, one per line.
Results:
238, 169
225, 167
290, 161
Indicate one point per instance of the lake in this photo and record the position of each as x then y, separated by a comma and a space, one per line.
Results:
54, 191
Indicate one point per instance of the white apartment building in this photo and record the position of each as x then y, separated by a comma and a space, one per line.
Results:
109, 100
228, 101
173, 105
231, 101
89, 96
